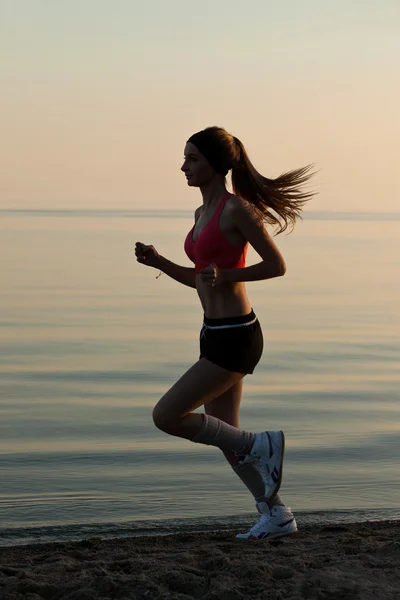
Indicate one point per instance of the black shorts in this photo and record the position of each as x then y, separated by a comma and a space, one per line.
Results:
234, 343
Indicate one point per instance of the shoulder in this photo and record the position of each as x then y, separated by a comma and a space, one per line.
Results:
239, 209
250, 224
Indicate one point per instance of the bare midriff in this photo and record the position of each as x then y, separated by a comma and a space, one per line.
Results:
223, 300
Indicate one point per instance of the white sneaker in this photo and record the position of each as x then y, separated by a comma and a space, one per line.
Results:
268, 450
274, 523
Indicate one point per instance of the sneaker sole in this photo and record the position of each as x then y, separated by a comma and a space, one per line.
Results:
280, 534
267, 538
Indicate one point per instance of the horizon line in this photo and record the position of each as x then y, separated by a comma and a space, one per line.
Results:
181, 210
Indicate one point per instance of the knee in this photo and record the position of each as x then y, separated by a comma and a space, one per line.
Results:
161, 420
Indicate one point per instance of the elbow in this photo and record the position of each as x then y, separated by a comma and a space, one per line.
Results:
281, 269
275, 269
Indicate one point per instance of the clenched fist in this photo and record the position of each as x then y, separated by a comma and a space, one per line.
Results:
211, 275
146, 255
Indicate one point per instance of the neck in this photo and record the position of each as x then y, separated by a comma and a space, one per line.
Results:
213, 190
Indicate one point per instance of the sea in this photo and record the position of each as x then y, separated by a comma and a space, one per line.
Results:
90, 340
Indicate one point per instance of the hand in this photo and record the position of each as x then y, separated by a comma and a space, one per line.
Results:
146, 255
211, 275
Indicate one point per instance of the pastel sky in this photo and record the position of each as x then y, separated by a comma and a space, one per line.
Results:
99, 96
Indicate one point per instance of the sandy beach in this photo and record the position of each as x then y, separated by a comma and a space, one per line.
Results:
338, 562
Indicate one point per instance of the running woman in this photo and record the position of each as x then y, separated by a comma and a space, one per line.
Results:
231, 339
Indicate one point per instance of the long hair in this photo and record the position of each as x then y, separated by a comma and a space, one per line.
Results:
283, 195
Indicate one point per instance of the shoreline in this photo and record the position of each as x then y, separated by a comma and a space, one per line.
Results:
338, 561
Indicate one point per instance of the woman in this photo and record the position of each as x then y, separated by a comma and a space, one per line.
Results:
231, 340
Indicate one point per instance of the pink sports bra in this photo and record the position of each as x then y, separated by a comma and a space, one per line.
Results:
212, 247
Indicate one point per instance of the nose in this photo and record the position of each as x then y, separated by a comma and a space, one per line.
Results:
184, 167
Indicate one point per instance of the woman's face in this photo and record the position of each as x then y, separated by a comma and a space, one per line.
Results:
196, 167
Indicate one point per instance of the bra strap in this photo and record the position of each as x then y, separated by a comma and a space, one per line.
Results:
222, 203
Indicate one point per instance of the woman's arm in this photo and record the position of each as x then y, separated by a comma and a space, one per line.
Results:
147, 255
252, 229
262, 270
184, 275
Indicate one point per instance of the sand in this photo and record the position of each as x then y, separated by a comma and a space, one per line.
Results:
346, 562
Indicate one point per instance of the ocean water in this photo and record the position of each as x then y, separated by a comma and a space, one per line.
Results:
90, 340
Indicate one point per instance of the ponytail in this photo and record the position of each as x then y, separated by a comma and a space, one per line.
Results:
283, 195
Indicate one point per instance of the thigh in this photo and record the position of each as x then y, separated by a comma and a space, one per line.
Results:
227, 406
203, 382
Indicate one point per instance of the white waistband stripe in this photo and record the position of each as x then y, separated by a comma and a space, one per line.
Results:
229, 326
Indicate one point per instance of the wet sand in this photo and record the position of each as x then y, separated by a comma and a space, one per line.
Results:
338, 562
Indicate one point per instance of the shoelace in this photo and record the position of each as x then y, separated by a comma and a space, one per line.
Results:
258, 527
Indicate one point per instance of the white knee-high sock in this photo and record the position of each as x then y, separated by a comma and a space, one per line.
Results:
215, 432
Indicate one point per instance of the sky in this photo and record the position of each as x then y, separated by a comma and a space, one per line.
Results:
99, 97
